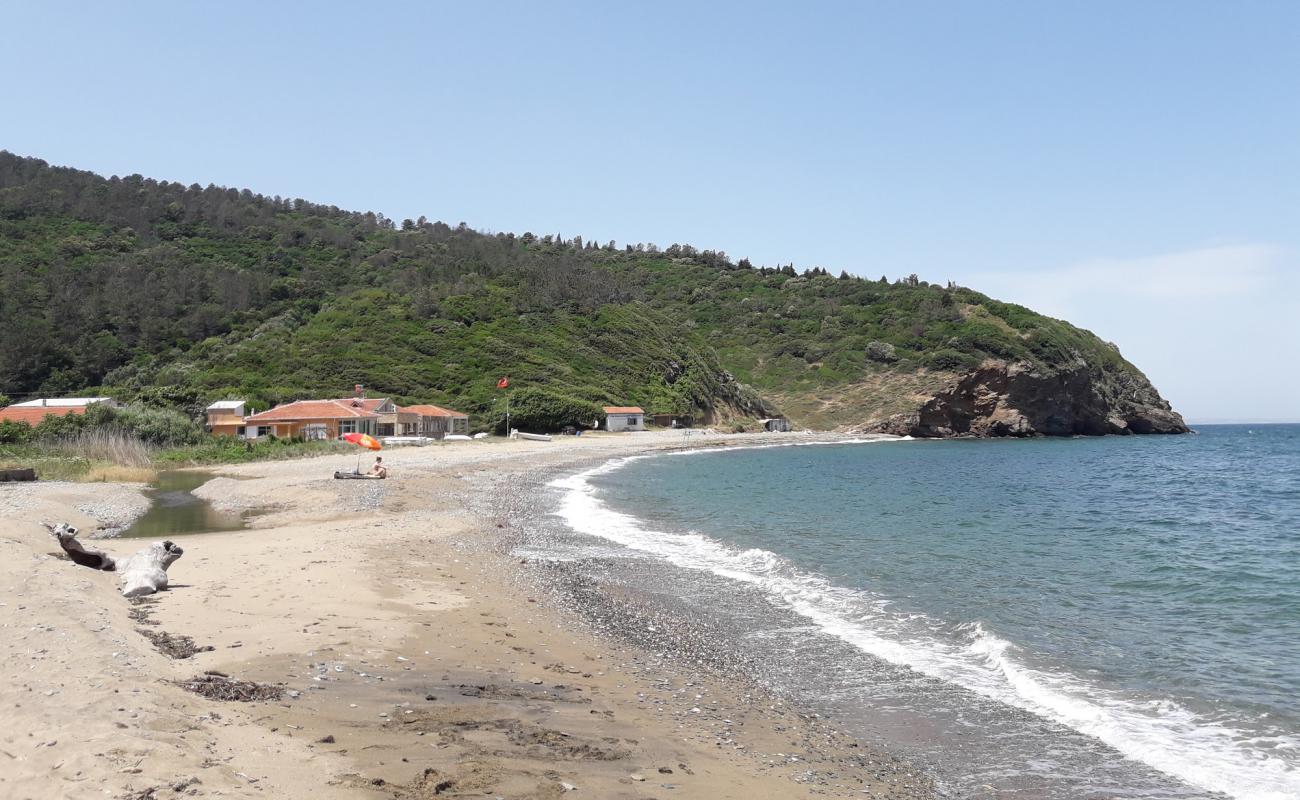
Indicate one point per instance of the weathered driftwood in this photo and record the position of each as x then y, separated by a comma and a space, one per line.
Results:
141, 574
67, 536
146, 571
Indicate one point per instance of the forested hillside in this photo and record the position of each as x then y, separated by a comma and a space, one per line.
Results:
194, 293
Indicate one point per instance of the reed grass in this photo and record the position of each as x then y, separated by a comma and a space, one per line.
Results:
93, 455
110, 447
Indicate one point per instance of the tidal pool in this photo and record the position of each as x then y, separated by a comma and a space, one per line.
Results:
175, 510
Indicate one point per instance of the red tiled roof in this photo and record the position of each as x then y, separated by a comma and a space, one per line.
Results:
368, 403
312, 409
33, 415
623, 410
432, 411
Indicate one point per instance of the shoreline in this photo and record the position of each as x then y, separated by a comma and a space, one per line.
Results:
421, 656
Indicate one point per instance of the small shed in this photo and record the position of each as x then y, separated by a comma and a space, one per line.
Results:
624, 418
775, 424
673, 420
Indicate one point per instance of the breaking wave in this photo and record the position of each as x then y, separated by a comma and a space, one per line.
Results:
1209, 754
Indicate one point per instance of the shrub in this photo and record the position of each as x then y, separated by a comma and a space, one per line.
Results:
152, 426
949, 359
883, 352
540, 410
58, 427
159, 426
12, 432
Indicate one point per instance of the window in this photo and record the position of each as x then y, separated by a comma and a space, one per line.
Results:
264, 430
347, 426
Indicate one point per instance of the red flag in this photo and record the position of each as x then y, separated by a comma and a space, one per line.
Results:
504, 383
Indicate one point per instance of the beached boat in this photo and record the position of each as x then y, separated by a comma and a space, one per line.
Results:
398, 441
535, 437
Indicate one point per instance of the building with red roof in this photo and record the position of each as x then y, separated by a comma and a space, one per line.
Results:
329, 419
316, 419
624, 418
33, 411
437, 421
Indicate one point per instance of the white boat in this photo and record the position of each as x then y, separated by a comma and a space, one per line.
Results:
532, 437
398, 441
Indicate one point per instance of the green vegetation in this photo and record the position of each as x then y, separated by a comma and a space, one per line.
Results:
172, 296
229, 450
540, 410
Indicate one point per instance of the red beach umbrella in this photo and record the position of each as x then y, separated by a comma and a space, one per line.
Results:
363, 440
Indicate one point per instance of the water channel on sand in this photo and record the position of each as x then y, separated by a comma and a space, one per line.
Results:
174, 509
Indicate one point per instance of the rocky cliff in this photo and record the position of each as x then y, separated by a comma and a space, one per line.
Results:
1021, 399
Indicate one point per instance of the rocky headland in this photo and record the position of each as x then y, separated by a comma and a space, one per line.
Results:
1020, 399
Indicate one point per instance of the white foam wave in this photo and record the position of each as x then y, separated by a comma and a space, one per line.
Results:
1160, 733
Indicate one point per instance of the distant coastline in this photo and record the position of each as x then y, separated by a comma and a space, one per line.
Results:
1196, 422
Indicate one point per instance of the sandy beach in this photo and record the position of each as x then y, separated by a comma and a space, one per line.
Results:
412, 655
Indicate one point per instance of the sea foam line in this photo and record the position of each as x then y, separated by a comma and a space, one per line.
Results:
1159, 733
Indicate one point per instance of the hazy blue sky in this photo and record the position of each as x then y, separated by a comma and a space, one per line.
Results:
1132, 167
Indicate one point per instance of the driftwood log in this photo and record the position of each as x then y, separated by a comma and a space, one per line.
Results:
143, 573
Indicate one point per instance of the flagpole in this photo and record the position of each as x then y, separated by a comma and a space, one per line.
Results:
504, 384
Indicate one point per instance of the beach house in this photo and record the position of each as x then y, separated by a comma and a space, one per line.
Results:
329, 419
392, 419
226, 418
624, 418
319, 419
437, 422
33, 411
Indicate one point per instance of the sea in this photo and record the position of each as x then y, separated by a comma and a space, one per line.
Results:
1111, 617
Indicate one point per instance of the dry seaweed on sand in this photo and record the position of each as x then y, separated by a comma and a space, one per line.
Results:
216, 686
173, 645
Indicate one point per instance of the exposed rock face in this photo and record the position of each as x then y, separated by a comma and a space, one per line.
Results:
1018, 399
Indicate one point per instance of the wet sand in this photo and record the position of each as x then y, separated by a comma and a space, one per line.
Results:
414, 656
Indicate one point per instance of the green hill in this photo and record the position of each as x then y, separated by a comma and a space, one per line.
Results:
144, 287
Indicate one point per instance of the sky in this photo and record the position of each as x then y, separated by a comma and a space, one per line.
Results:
1131, 167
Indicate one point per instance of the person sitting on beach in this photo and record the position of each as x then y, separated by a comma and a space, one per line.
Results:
379, 470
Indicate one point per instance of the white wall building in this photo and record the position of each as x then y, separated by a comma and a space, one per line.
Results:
624, 418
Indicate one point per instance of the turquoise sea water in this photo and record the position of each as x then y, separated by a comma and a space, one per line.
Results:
1133, 604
